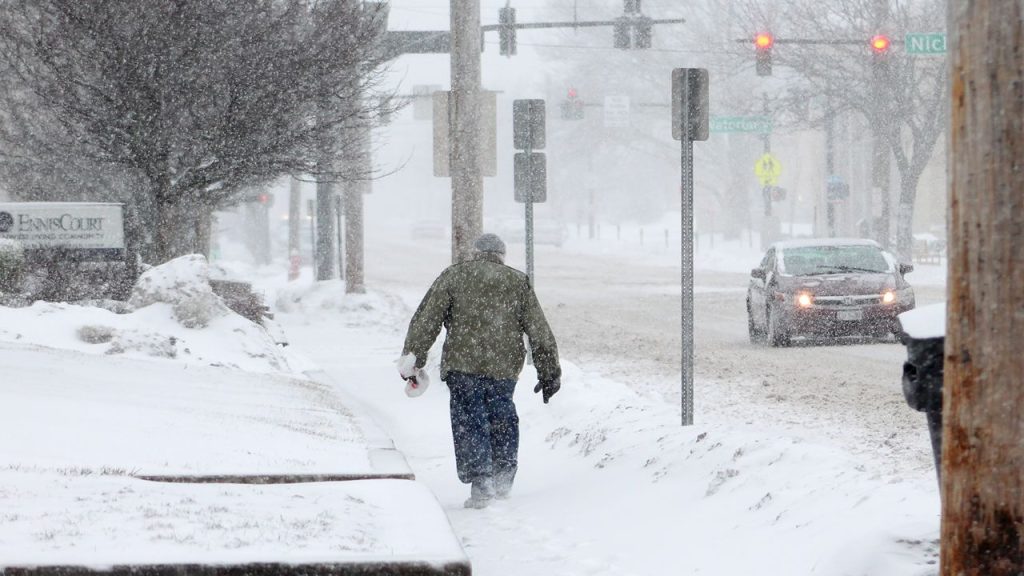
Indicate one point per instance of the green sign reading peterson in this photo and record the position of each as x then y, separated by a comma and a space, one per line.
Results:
758, 124
926, 43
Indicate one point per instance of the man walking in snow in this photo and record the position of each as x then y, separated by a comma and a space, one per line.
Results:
486, 308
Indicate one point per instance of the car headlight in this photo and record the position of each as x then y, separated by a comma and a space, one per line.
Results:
804, 300
888, 297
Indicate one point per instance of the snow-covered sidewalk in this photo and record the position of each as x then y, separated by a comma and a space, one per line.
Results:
610, 483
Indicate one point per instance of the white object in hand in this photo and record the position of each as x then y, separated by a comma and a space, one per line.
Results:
417, 386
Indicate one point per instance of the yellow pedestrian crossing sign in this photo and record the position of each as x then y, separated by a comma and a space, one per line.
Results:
767, 168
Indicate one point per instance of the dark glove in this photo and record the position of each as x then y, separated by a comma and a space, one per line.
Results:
549, 387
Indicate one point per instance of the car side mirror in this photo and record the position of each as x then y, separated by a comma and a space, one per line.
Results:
758, 273
906, 269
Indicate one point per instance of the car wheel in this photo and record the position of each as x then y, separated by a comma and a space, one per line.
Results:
756, 334
777, 334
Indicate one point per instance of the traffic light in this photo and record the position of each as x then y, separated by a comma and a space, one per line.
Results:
572, 106
507, 31
880, 45
644, 30
264, 199
763, 43
623, 33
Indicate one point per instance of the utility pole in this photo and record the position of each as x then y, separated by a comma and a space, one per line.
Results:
983, 434
467, 179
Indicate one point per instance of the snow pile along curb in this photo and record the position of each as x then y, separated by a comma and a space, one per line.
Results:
173, 314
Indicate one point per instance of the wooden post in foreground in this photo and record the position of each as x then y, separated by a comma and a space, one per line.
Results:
983, 438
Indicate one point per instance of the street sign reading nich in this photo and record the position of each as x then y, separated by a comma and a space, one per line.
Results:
926, 43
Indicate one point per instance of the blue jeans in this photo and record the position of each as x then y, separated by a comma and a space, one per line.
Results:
485, 426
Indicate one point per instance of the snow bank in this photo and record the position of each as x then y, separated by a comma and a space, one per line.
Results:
176, 316
350, 310
184, 283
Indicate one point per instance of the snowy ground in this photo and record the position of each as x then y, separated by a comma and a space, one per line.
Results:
802, 461
87, 417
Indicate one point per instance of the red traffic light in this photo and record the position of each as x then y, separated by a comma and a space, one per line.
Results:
572, 93
764, 41
880, 43
263, 198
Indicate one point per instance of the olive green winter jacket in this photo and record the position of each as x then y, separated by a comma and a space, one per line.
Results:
486, 307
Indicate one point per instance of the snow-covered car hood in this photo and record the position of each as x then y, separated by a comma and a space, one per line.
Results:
842, 284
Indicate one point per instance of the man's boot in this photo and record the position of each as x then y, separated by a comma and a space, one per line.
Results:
482, 492
503, 483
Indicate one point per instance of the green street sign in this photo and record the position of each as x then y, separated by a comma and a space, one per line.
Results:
758, 124
926, 43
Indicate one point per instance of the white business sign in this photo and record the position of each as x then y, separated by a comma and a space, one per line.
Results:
616, 111
71, 225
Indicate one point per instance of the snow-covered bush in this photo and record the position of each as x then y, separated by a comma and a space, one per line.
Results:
12, 265
184, 283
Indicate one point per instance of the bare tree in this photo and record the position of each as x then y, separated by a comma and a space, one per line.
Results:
903, 97
191, 100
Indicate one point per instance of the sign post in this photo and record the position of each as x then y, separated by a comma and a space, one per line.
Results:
689, 123
530, 178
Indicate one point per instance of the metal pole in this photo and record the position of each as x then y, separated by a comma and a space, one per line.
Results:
467, 179
686, 210
529, 212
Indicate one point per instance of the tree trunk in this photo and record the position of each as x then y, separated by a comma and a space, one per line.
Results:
354, 276
983, 451
172, 235
204, 230
358, 161
905, 217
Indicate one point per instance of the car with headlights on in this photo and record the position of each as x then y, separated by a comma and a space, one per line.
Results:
826, 288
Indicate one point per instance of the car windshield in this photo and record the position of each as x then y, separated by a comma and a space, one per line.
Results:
811, 260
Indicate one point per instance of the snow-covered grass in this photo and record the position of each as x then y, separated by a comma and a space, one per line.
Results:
93, 401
